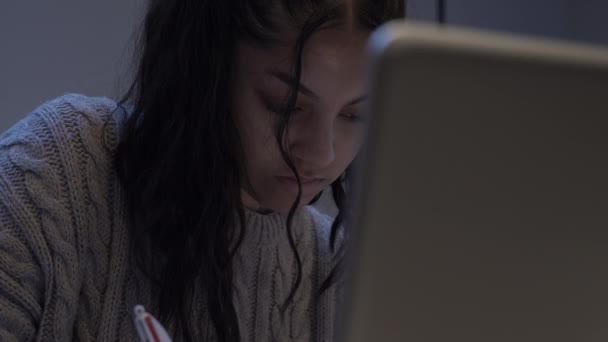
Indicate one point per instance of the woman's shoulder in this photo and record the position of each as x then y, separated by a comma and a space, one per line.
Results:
62, 121
61, 152
87, 117
79, 103
70, 107
64, 149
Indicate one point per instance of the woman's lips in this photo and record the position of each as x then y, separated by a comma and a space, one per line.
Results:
309, 185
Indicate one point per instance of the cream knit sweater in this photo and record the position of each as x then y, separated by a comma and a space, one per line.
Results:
64, 270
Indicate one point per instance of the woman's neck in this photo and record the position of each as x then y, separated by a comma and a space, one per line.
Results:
250, 203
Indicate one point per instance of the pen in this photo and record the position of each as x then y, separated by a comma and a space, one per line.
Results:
148, 328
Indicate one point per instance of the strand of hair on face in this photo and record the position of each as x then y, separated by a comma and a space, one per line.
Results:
350, 14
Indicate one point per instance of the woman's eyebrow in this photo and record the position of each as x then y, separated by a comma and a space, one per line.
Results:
291, 82
357, 100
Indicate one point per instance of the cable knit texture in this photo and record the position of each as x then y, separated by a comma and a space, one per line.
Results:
64, 271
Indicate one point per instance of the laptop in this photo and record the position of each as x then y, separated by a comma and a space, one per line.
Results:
481, 202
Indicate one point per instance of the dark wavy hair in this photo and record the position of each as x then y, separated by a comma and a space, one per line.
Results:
180, 159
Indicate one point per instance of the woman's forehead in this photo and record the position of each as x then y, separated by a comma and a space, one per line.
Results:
328, 50
333, 68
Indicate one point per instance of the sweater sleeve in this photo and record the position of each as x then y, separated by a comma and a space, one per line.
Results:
40, 208
23, 251
21, 287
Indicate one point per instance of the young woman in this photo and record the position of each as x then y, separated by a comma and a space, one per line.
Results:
191, 195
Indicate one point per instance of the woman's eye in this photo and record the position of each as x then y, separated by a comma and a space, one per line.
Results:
352, 116
281, 109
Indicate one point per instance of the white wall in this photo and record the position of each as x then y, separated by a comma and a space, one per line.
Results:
48, 48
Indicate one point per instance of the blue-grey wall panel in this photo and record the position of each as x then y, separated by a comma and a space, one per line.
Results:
48, 48
580, 20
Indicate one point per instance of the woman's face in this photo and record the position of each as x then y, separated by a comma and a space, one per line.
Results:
324, 133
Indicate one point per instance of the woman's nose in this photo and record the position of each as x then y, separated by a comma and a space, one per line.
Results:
313, 143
